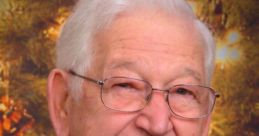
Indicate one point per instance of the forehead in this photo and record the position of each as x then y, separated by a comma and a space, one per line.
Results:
148, 25
146, 36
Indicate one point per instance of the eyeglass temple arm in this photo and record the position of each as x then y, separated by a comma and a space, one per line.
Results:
99, 82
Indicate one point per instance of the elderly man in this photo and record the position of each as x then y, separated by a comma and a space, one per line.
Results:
132, 68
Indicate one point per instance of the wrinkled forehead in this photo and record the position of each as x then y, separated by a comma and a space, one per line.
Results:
152, 26
148, 32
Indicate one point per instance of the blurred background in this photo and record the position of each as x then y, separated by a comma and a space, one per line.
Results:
29, 29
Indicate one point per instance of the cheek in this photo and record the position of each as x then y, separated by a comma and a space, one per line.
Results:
77, 120
82, 111
112, 123
91, 117
194, 127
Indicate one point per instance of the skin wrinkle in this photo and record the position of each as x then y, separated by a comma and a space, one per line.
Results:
145, 40
120, 64
133, 37
153, 45
150, 40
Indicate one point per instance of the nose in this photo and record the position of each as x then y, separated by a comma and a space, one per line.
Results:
154, 119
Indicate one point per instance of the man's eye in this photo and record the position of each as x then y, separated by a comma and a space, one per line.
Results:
183, 91
123, 85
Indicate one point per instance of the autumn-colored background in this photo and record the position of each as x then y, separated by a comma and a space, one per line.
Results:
29, 29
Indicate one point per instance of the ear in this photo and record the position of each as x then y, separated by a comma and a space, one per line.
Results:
58, 101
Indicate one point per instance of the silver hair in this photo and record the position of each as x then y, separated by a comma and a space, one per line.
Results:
90, 16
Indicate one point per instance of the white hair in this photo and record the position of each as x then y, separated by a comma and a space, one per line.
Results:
90, 16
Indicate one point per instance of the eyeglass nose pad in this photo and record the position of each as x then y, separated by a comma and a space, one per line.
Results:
148, 97
166, 98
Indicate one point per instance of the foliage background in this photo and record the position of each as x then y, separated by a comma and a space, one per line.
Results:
29, 29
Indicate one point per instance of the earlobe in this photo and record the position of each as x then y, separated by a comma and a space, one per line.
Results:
58, 101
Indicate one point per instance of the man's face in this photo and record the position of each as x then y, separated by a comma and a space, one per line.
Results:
149, 46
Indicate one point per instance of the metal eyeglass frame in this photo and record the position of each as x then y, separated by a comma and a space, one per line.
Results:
101, 83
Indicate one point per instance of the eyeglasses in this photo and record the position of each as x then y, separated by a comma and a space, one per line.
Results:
130, 95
